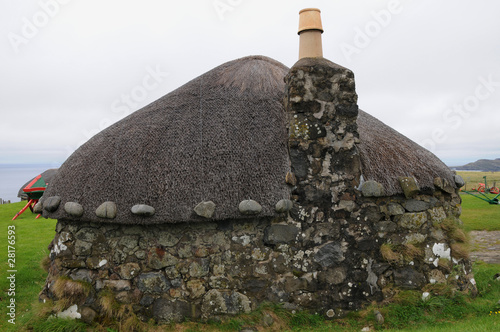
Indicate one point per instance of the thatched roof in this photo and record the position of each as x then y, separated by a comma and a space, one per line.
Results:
47, 175
221, 138
386, 155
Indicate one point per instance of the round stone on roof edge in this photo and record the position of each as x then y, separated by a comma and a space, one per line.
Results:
143, 210
73, 209
250, 207
372, 189
284, 205
205, 209
459, 181
106, 210
52, 203
38, 208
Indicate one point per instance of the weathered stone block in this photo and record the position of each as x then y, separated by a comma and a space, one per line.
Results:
437, 214
73, 263
158, 258
334, 276
195, 288
385, 226
300, 163
372, 189
82, 248
167, 239
277, 233
415, 238
199, 269
371, 214
329, 254
129, 241
118, 285
444, 185
349, 206
153, 282
165, 311
237, 303
129, 270
213, 304
395, 209
87, 234
409, 278
413, 220
414, 205
409, 186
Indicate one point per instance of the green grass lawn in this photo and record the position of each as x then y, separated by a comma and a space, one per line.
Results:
479, 215
445, 311
32, 236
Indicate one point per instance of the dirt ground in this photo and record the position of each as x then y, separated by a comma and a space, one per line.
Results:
485, 246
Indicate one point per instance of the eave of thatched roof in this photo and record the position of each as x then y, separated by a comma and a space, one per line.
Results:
47, 175
387, 155
221, 137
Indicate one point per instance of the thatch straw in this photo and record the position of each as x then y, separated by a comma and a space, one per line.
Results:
47, 176
221, 138
387, 155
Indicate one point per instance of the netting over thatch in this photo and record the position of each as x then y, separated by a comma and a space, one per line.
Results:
221, 137
387, 155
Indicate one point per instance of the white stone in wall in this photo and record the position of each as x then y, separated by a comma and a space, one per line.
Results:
441, 250
70, 313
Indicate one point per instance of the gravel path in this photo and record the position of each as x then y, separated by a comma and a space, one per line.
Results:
485, 246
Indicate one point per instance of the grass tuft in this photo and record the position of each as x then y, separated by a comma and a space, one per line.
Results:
412, 252
388, 253
45, 264
459, 235
74, 291
449, 225
445, 264
60, 325
459, 250
108, 303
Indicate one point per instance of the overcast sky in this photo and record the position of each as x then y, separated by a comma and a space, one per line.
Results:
69, 68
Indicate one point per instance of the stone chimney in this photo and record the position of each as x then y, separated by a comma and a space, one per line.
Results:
321, 103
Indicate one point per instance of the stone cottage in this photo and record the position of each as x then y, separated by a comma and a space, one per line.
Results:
252, 183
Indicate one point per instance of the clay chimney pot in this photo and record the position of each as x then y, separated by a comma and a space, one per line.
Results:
310, 30
310, 19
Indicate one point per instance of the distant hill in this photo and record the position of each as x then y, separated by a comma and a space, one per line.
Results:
484, 165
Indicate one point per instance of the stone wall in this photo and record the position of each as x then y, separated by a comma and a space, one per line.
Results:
304, 261
343, 243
